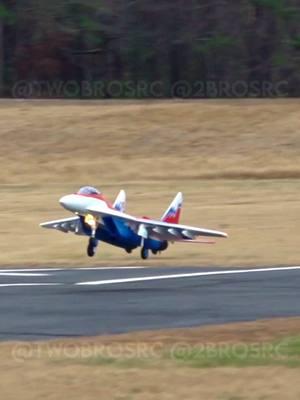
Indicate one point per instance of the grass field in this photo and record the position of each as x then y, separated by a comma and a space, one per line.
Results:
237, 163
249, 361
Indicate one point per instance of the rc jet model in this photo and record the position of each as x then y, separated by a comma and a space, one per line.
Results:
103, 221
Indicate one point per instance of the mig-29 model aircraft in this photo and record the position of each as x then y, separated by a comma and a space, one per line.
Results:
102, 221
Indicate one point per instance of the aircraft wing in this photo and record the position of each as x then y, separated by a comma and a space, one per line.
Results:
148, 228
65, 225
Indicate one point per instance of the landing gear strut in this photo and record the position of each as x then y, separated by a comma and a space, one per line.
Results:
144, 253
91, 249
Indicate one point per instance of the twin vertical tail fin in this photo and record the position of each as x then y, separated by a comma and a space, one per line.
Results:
120, 202
172, 214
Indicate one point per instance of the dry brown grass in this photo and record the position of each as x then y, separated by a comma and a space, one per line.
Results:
237, 163
92, 383
42, 376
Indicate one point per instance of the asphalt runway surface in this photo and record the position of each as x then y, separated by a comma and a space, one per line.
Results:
45, 303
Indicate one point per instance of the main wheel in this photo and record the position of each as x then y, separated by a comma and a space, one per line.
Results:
144, 253
91, 249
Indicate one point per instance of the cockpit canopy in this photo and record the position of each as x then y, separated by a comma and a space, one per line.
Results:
88, 190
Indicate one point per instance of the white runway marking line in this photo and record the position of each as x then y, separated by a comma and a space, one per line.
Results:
31, 270
36, 270
106, 268
187, 275
22, 274
29, 284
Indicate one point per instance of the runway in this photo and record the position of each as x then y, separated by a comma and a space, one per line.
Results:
46, 303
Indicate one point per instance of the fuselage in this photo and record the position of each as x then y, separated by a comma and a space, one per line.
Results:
110, 229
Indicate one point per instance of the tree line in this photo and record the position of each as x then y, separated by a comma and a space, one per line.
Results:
142, 48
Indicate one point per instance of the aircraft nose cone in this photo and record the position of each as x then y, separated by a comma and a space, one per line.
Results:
75, 203
65, 201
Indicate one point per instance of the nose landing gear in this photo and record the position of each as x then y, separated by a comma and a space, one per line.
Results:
92, 222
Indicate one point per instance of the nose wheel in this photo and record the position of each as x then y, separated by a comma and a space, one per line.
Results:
144, 253
91, 249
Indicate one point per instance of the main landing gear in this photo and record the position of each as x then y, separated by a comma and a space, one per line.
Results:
91, 249
144, 253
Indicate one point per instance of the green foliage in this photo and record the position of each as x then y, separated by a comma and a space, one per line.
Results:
216, 43
279, 59
279, 8
275, 5
295, 43
6, 15
88, 24
285, 352
3, 11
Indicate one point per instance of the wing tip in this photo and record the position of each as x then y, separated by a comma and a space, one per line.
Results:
44, 225
224, 235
